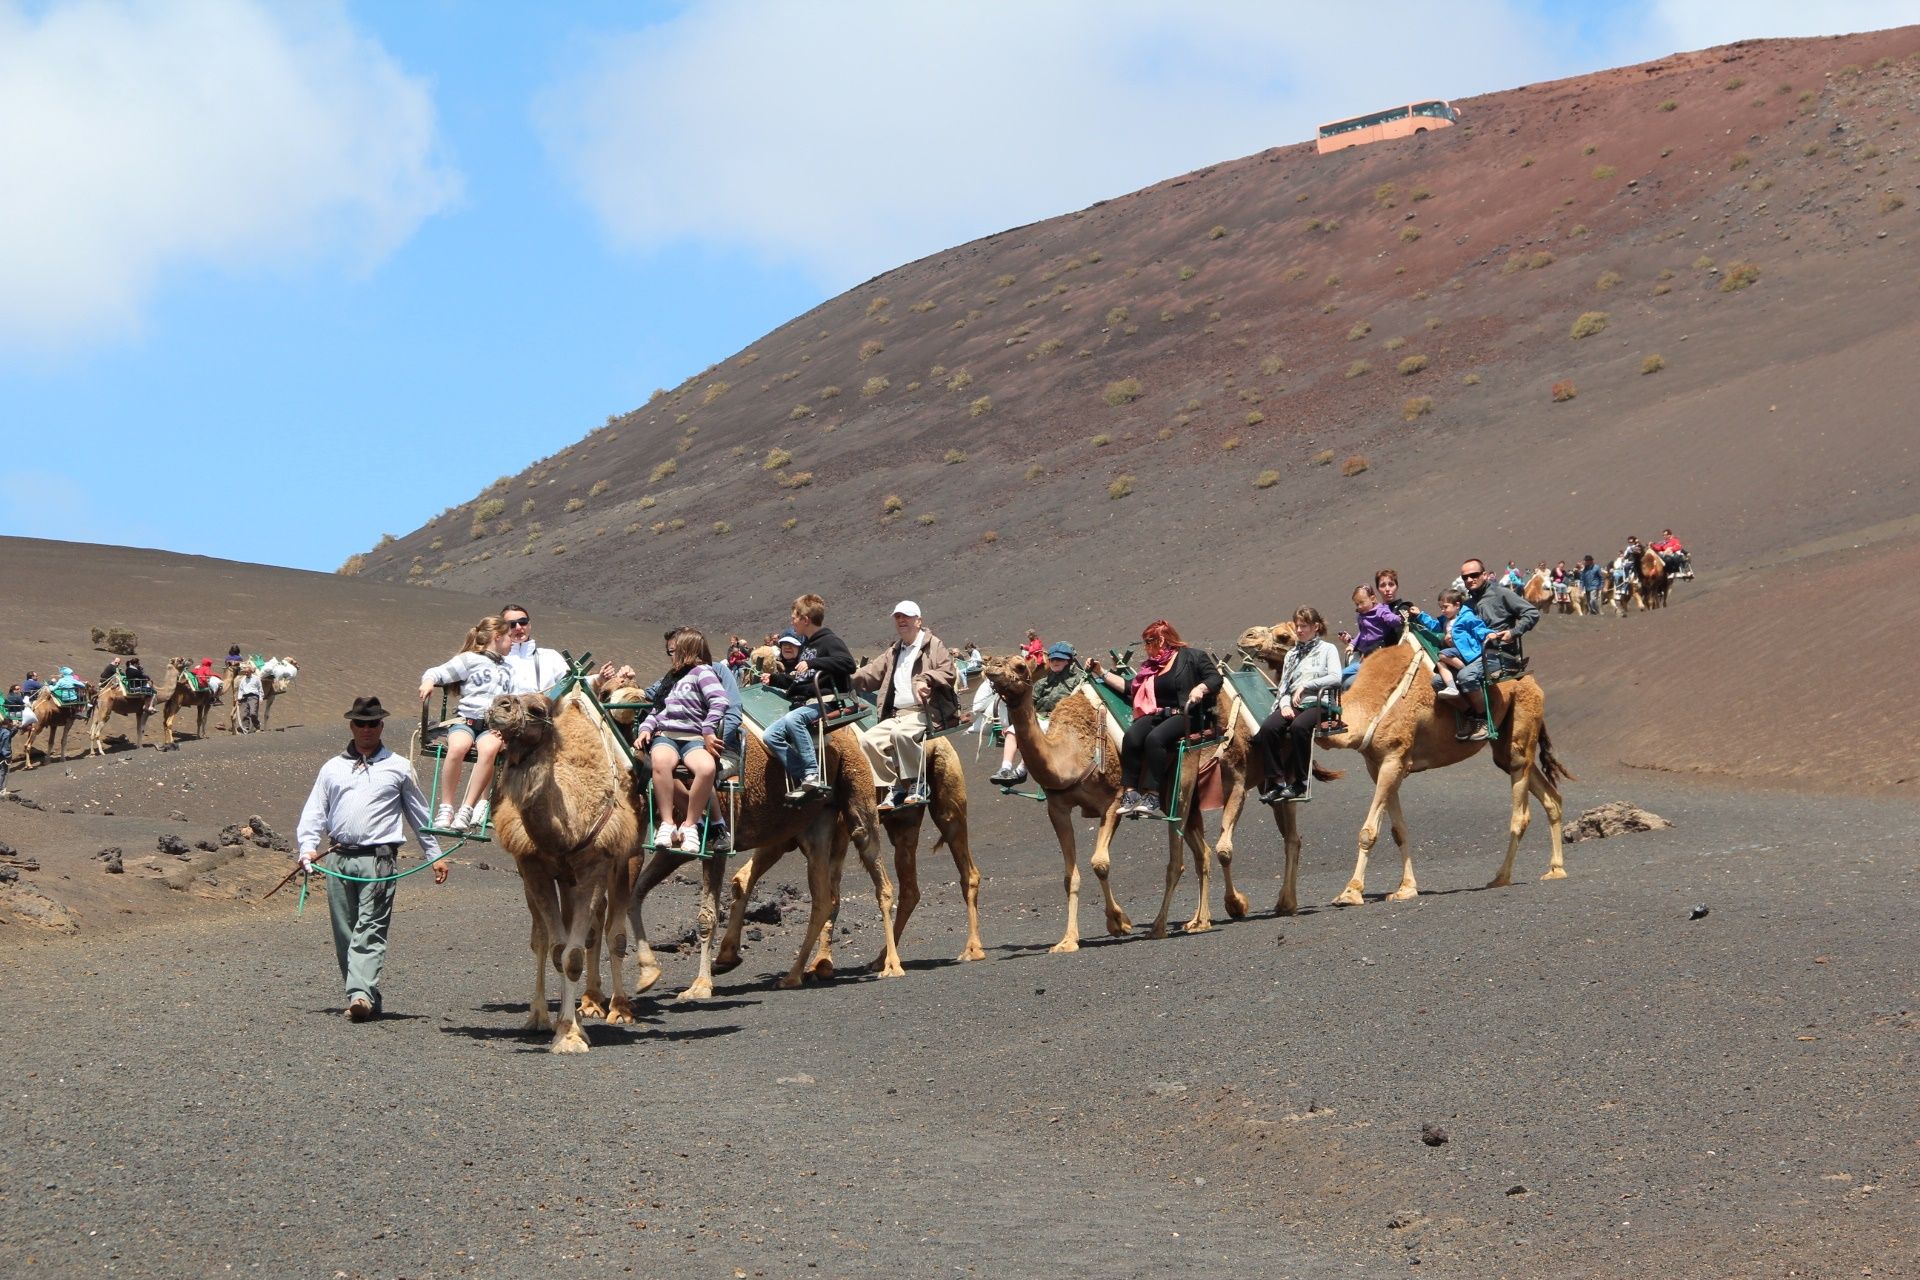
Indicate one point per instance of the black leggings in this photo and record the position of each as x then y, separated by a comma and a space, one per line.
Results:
1285, 744
1148, 748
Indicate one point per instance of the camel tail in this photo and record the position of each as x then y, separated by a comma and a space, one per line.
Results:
1549, 764
1324, 774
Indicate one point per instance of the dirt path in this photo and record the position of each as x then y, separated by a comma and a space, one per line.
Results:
1623, 1088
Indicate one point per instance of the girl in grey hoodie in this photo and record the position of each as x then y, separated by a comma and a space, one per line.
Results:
480, 669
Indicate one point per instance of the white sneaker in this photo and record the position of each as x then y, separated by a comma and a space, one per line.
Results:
481, 812
462, 818
443, 819
667, 837
689, 841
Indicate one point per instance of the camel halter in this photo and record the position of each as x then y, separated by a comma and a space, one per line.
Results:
1420, 660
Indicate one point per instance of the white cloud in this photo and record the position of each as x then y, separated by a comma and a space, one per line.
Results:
140, 136
848, 137
1700, 24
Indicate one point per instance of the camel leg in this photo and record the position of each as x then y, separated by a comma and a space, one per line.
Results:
820, 882
1060, 814
593, 1000
615, 933
868, 849
1118, 923
1386, 781
539, 903
1517, 821
1289, 820
646, 967
1398, 825
1550, 802
1176, 863
713, 876
743, 882
1237, 903
580, 925
961, 847
906, 865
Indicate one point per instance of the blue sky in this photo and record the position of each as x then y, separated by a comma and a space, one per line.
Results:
291, 276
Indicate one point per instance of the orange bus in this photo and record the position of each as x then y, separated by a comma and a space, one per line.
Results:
1395, 122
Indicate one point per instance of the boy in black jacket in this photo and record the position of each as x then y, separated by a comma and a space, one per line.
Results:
825, 665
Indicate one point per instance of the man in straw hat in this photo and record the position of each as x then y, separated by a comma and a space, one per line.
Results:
358, 805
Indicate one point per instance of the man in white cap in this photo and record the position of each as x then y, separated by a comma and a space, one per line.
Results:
914, 678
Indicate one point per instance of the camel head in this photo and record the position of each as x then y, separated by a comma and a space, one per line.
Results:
1269, 644
624, 716
1012, 677
523, 720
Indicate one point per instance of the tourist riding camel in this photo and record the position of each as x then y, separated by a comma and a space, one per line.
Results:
480, 670
533, 669
197, 687
1309, 692
120, 699
914, 677
1678, 564
1172, 683
1055, 685
823, 667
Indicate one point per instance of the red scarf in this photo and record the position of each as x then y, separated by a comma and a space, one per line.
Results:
1144, 703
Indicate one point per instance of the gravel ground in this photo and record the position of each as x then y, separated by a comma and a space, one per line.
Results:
1622, 1088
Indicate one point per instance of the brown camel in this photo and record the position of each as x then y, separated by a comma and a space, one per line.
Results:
564, 806
1539, 590
182, 693
1395, 722
1653, 581
1075, 760
822, 829
114, 700
54, 718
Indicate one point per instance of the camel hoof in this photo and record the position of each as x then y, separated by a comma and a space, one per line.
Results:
569, 1039
1555, 873
1197, 926
620, 1013
1065, 946
645, 978
726, 963
1499, 882
698, 991
788, 981
593, 1005
974, 951
1237, 905
822, 969
537, 1021
1119, 927
1158, 931
1404, 892
1286, 907
893, 969
1349, 898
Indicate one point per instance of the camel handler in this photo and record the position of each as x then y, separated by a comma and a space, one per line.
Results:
915, 677
358, 805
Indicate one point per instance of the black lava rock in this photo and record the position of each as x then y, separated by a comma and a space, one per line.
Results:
174, 845
1434, 1136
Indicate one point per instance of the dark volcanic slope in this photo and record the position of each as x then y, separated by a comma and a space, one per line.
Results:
972, 384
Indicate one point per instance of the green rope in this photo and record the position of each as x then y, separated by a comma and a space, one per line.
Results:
398, 875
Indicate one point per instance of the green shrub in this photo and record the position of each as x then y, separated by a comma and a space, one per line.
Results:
1589, 323
1125, 391
874, 386
1188, 273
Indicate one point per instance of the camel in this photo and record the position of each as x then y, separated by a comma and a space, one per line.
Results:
565, 807
1270, 645
55, 719
763, 659
276, 678
181, 693
1539, 590
1075, 760
1653, 580
114, 700
1396, 723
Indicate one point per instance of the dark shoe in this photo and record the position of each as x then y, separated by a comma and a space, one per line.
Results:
915, 797
1273, 795
359, 1009
1130, 802
891, 801
1019, 775
1300, 794
719, 838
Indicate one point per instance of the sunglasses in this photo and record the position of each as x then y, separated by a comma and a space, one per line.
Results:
519, 622
1471, 576
366, 724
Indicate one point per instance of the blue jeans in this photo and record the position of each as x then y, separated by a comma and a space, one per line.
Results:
790, 739
1348, 672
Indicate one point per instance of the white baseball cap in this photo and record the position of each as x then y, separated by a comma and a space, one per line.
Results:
907, 607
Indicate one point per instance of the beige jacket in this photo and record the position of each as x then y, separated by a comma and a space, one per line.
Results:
933, 678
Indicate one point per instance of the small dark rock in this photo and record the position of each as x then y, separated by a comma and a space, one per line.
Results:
8, 875
114, 866
262, 842
173, 845
111, 851
1517, 1189
1434, 1136
107, 812
259, 826
484, 866
280, 844
66, 808
6, 850
1699, 912
26, 803
754, 935
206, 846
765, 913
177, 816
230, 835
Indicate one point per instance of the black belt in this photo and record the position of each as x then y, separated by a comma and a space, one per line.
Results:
362, 850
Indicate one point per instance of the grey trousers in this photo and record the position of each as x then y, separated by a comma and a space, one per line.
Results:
894, 747
361, 915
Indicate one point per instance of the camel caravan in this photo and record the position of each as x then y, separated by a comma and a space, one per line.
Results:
601, 789
124, 689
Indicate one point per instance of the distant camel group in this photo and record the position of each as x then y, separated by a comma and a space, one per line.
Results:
177, 689
573, 811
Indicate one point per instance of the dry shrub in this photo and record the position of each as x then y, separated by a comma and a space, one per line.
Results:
799, 411
1323, 458
1266, 480
1416, 407
526, 508
1739, 276
597, 488
1669, 105
1004, 281
874, 386
1607, 279
871, 348
1360, 330
714, 391
649, 502
1102, 440
960, 381
1418, 194
981, 407
574, 504
1412, 365
892, 504
721, 527
1035, 471
1121, 487
1589, 323
953, 456
1353, 466
1891, 202
1230, 443
1564, 391
925, 518
1293, 273
829, 393
776, 459
1703, 263
1218, 233
1653, 364
1740, 160
1271, 365
796, 480
1188, 273
1255, 418
662, 470
1394, 344
1125, 391
789, 523
1358, 369
1409, 234
878, 305
1471, 380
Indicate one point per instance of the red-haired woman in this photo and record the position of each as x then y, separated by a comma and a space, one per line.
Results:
1172, 680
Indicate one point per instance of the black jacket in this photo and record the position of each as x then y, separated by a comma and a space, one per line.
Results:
1190, 667
828, 658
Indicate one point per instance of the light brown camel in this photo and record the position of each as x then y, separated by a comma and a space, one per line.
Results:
1653, 580
1396, 723
182, 693
53, 718
1075, 760
1270, 645
763, 659
114, 700
1539, 590
564, 806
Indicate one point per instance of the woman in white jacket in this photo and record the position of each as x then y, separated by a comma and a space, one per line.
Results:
481, 671
1309, 688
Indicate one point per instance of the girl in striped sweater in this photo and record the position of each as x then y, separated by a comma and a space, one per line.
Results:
683, 727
